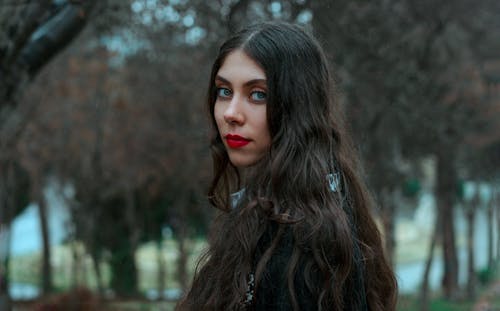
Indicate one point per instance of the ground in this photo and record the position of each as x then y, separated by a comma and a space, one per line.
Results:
490, 300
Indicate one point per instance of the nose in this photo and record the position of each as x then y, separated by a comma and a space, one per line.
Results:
234, 112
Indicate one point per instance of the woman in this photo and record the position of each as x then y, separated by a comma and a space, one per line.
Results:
295, 232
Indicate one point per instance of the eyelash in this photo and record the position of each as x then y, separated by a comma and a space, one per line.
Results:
252, 93
260, 93
222, 89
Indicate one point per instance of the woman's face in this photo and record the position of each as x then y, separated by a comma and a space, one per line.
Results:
240, 109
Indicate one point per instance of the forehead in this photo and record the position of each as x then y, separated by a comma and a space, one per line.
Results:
239, 66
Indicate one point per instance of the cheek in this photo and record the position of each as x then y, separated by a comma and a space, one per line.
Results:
264, 127
218, 116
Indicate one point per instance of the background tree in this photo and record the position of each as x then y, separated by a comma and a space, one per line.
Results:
32, 33
402, 66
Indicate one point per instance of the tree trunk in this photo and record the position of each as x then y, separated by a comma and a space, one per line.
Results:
179, 226
131, 219
496, 202
424, 292
162, 268
5, 212
46, 257
122, 246
490, 234
75, 266
446, 188
471, 273
5, 237
123, 269
129, 242
27, 54
98, 274
388, 212
10, 186
183, 256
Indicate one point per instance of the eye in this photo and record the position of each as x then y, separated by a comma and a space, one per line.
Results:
258, 96
223, 92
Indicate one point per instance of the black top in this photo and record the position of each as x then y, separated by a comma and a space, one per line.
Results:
272, 291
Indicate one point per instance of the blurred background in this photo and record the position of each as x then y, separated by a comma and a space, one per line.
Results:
104, 159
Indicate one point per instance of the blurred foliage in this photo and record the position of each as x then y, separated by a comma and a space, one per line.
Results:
411, 188
487, 275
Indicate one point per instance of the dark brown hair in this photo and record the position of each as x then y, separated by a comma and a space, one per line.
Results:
334, 237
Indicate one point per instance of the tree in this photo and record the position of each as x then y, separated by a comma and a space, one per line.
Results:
401, 65
31, 42
470, 212
118, 146
27, 44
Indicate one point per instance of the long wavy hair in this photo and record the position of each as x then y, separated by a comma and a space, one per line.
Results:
336, 244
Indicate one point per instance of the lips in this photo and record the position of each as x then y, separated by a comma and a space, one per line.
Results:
236, 141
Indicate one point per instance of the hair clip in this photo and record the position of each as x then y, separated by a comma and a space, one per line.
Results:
334, 181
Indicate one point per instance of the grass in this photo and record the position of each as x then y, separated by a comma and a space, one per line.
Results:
410, 303
68, 271
147, 262
489, 292
495, 302
142, 306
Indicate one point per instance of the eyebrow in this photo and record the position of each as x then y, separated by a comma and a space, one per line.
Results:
246, 84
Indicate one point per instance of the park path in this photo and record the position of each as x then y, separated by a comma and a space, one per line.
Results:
484, 302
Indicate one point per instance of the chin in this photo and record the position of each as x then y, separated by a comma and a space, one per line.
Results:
241, 162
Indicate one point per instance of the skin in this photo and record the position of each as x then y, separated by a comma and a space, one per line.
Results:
240, 108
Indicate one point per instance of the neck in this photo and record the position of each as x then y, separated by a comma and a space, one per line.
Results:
243, 173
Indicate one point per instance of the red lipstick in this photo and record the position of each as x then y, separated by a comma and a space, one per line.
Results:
236, 141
